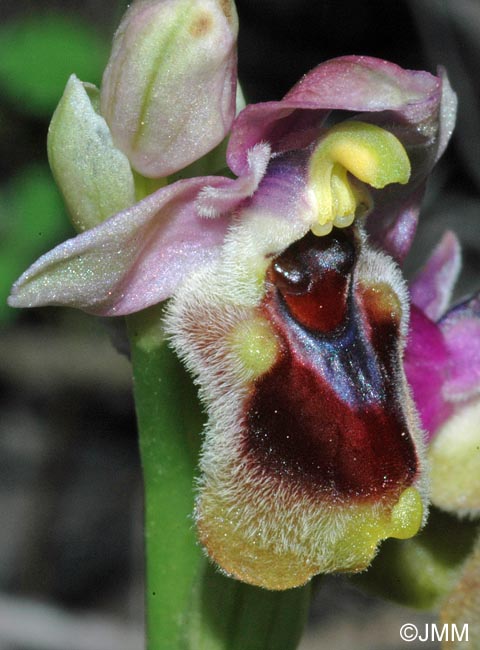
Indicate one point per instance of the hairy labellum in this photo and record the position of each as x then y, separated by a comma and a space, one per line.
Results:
311, 453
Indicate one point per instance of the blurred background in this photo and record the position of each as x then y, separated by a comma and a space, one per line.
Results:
71, 566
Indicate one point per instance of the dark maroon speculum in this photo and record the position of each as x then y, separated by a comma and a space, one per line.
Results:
329, 414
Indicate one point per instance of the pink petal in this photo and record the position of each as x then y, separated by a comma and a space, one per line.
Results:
461, 331
352, 83
135, 259
432, 288
213, 200
279, 206
425, 362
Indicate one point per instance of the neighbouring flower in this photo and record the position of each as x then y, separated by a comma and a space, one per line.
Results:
442, 363
288, 314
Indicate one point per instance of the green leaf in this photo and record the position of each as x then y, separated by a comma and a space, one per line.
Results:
38, 54
229, 615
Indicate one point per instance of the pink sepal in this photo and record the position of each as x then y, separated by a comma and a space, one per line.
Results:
431, 290
135, 259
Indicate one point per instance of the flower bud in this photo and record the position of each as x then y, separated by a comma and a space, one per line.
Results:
168, 91
94, 177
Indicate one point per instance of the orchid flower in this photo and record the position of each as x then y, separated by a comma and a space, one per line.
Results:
289, 315
442, 363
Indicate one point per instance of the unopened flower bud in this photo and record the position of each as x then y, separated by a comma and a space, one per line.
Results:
168, 92
93, 175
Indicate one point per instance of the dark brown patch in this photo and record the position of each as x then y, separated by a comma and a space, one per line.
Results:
328, 416
201, 25
298, 427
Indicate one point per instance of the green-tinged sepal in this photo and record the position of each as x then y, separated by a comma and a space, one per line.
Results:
94, 177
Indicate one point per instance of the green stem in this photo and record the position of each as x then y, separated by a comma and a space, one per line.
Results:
169, 421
